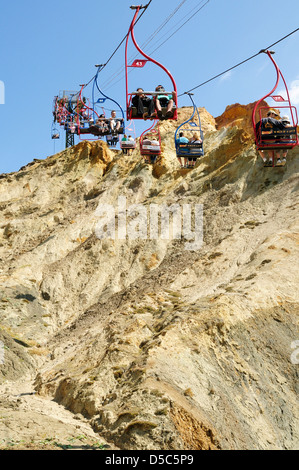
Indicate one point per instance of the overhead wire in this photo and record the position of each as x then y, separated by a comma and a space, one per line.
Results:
111, 79
162, 26
190, 18
240, 63
119, 45
145, 44
181, 19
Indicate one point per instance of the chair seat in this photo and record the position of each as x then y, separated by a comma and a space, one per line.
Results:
289, 133
134, 113
192, 149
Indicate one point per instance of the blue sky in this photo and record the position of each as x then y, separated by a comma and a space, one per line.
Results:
51, 46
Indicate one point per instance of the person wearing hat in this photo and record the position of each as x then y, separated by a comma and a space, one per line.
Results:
286, 121
272, 120
269, 122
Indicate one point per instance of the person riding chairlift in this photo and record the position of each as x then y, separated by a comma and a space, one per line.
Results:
101, 124
285, 120
194, 140
183, 140
140, 101
164, 101
269, 122
114, 123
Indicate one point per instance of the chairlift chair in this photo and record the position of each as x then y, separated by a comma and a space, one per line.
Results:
126, 144
147, 147
190, 150
268, 136
140, 63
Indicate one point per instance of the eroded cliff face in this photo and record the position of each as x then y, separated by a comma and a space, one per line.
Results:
150, 344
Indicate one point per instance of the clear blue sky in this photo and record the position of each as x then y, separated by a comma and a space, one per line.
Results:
51, 46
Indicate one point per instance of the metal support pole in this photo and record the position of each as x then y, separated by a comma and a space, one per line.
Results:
69, 139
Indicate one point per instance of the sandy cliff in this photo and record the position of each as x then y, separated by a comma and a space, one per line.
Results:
143, 343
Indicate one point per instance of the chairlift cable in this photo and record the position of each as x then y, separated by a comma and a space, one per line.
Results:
122, 41
154, 34
145, 44
190, 18
240, 63
116, 74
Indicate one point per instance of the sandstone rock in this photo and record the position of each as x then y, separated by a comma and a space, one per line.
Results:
150, 344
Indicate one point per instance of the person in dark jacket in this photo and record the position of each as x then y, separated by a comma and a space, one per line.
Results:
268, 123
140, 101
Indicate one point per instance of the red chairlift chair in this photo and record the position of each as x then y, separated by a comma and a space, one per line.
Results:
150, 148
272, 135
140, 63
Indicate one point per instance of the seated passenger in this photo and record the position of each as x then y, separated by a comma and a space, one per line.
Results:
150, 140
141, 101
155, 141
124, 149
182, 139
268, 123
114, 123
146, 140
285, 121
196, 139
131, 139
101, 124
164, 101
131, 142
192, 159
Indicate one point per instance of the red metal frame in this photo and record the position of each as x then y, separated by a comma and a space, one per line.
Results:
293, 111
60, 110
90, 111
151, 130
129, 95
122, 144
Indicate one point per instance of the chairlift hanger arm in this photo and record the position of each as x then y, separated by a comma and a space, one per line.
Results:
278, 75
131, 33
149, 58
102, 93
84, 104
269, 53
190, 118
